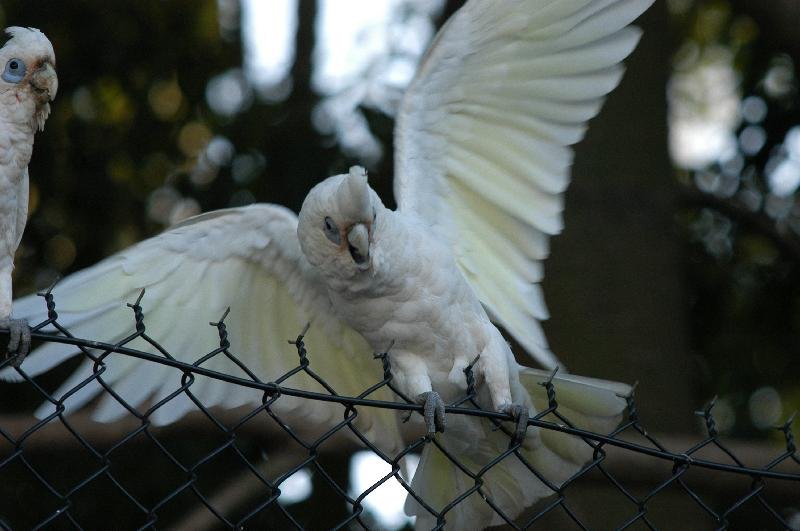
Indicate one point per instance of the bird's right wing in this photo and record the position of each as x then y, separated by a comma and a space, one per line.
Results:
245, 258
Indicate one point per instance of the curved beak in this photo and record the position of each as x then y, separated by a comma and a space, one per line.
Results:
45, 83
358, 245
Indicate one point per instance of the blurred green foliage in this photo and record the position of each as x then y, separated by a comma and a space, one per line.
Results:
105, 148
743, 268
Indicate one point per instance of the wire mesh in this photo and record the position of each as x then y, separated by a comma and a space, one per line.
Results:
139, 476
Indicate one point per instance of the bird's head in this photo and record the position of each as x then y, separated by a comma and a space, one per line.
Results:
337, 222
28, 81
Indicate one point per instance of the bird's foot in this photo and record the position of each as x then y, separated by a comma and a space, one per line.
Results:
19, 342
520, 415
432, 411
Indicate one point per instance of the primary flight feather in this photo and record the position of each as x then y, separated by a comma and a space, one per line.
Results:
483, 141
28, 83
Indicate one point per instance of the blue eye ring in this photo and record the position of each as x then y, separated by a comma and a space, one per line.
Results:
14, 71
332, 231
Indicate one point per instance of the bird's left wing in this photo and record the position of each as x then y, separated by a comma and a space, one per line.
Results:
483, 138
245, 258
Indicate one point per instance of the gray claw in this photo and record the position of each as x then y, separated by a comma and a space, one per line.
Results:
19, 342
520, 415
433, 411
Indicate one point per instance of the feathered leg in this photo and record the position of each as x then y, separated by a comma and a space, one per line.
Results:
19, 342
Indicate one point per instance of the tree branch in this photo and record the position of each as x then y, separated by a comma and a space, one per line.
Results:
786, 243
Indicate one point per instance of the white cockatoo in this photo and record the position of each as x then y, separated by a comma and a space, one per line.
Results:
483, 140
27, 85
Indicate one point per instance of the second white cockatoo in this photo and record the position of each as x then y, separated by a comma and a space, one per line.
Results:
483, 140
27, 85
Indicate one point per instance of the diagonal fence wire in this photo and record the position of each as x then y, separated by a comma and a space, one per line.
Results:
69, 502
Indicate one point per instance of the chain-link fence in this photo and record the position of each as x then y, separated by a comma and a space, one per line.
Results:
229, 469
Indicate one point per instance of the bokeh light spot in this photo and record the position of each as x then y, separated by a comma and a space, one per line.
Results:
784, 178
182, 209
59, 252
117, 108
247, 166
296, 488
229, 93
161, 202
765, 407
752, 139
165, 99
754, 109
83, 104
193, 137
366, 469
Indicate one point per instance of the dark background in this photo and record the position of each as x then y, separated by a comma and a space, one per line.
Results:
690, 289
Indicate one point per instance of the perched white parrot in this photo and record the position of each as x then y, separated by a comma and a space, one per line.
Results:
27, 85
482, 161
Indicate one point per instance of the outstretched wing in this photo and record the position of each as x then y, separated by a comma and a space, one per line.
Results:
484, 132
247, 259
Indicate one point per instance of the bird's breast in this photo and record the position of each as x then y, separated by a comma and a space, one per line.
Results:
420, 303
16, 148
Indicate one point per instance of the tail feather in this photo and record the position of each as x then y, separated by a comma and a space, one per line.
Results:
439, 489
590, 397
587, 403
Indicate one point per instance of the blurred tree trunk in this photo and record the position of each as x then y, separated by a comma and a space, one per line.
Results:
614, 282
297, 128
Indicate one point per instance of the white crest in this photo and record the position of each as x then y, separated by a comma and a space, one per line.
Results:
353, 195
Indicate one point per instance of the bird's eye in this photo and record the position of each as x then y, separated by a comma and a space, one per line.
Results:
14, 71
332, 231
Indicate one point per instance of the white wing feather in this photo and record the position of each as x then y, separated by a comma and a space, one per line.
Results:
22, 207
484, 132
247, 259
